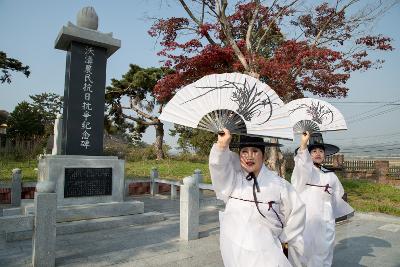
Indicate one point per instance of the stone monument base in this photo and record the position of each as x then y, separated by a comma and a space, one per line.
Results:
90, 196
84, 179
89, 217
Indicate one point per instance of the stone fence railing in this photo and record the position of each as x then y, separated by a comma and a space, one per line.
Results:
12, 192
190, 202
43, 223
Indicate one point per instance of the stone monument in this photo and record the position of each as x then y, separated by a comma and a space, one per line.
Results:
88, 186
85, 80
80, 171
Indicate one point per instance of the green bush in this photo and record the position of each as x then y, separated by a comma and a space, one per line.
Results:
190, 157
23, 150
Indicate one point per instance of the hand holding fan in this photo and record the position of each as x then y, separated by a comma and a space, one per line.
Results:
314, 115
238, 102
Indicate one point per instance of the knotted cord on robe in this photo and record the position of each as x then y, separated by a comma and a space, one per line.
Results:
250, 177
327, 186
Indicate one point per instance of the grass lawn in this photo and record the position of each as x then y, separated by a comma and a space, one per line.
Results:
29, 173
362, 195
371, 197
168, 169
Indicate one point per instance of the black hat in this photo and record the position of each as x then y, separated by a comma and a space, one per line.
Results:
316, 140
246, 141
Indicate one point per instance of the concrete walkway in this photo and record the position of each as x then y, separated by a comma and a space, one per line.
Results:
366, 240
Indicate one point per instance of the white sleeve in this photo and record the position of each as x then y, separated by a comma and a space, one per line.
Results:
340, 207
223, 164
295, 215
302, 170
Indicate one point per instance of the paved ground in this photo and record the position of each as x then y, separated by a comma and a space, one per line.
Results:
366, 240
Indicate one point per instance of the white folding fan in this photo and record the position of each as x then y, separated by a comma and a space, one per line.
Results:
238, 102
314, 115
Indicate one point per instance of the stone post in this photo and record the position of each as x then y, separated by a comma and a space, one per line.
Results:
381, 170
154, 184
16, 187
44, 232
189, 209
174, 192
57, 135
199, 178
337, 161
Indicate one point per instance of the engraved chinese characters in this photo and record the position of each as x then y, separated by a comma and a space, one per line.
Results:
87, 182
83, 122
87, 89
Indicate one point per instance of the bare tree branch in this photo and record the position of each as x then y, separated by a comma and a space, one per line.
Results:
125, 116
324, 27
198, 22
251, 25
274, 18
221, 8
141, 113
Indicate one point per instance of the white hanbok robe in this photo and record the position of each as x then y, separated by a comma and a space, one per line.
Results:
321, 208
246, 238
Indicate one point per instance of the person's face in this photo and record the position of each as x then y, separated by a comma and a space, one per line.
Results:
317, 155
251, 159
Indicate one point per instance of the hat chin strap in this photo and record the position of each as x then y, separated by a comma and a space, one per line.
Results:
318, 165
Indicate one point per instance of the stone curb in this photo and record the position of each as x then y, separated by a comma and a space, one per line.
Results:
380, 217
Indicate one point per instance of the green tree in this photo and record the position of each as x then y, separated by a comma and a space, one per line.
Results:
132, 105
10, 64
48, 105
4, 116
194, 139
25, 122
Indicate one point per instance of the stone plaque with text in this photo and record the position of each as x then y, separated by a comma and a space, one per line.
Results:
86, 182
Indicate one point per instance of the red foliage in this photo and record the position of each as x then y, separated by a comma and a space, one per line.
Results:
377, 42
290, 67
212, 59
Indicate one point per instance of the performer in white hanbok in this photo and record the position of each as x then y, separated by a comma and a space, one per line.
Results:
262, 209
322, 192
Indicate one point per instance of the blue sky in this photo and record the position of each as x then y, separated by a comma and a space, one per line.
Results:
28, 30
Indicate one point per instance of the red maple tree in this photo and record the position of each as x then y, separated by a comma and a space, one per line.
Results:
293, 48
293, 51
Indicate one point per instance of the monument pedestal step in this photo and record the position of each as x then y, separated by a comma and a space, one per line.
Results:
85, 211
94, 211
94, 225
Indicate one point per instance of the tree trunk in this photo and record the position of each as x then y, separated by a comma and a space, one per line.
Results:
275, 160
158, 144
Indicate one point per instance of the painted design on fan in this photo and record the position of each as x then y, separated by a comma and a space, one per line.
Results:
251, 102
318, 112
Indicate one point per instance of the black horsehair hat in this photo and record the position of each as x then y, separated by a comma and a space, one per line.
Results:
316, 140
253, 141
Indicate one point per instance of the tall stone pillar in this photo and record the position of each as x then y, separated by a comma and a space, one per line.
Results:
82, 174
57, 136
85, 79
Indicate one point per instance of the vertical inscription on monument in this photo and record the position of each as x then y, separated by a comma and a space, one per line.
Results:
85, 182
86, 103
83, 121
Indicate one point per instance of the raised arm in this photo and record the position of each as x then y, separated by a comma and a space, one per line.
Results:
303, 165
223, 165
